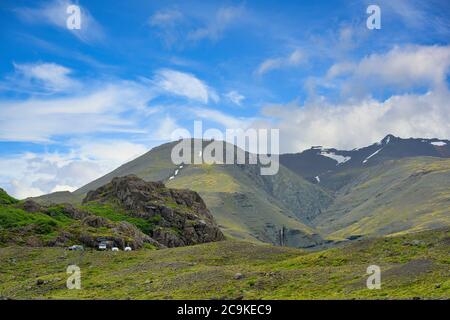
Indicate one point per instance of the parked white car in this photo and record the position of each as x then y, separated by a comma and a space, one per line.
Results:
76, 248
102, 246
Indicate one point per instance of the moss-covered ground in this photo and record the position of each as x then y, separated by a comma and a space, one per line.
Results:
412, 265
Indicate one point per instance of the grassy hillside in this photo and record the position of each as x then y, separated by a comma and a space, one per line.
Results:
57, 226
248, 206
59, 197
6, 199
126, 212
413, 265
371, 199
245, 204
396, 196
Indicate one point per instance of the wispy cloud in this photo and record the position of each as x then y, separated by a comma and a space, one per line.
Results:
403, 67
33, 174
419, 15
100, 109
55, 14
165, 18
235, 97
40, 78
293, 59
177, 27
223, 119
184, 84
215, 27
167, 24
167, 125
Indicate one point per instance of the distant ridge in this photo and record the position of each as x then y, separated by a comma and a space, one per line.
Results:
318, 194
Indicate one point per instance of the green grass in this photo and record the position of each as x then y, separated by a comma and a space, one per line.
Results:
394, 197
413, 265
6, 198
115, 213
11, 218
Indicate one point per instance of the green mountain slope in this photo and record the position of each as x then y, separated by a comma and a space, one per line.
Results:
396, 196
6, 199
247, 208
272, 209
413, 265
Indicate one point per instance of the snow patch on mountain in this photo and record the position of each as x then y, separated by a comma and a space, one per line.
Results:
365, 160
317, 179
340, 159
176, 172
439, 143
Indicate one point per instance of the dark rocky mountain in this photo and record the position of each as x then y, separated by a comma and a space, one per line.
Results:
180, 216
245, 204
334, 168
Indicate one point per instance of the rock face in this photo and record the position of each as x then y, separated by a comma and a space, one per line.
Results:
182, 216
119, 234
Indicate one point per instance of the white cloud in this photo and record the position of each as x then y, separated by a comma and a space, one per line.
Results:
99, 110
235, 97
216, 26
401, 67
293, 59
165, 129
54, 13
227, 121
40, 77
179, 28
167, 24
34, 174
59, 188
107, 150
418, 15
361, 123
185, 84
164, 18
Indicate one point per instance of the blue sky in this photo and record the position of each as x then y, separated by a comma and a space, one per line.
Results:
74, 104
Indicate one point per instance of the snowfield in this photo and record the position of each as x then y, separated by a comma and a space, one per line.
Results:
439, 143
340, 159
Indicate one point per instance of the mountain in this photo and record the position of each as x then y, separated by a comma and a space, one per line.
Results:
333, 168
318, 195
403, 195
246, 205
394, 185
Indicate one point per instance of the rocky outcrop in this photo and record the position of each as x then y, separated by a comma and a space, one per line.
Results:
66, 209
86, 229
182, 216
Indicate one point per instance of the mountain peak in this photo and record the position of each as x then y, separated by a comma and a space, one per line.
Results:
388, 139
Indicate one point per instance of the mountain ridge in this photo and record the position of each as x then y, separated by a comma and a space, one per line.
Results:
291, 207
